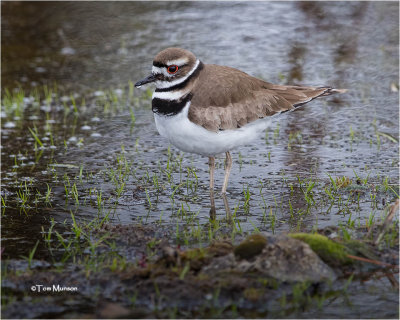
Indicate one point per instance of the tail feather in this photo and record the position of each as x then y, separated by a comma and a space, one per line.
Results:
332, 91
299, 95
314, 93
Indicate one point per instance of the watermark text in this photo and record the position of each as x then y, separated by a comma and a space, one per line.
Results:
52, 288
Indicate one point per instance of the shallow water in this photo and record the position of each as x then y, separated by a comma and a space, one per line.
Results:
89, 48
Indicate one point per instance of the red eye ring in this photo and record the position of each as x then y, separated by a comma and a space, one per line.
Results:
172, 69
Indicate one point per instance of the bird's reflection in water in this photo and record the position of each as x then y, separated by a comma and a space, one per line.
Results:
213, 212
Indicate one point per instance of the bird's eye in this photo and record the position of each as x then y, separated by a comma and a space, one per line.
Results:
172, 69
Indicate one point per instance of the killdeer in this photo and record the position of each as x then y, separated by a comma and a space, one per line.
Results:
209, 109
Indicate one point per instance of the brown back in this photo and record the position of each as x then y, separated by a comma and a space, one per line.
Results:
226, 98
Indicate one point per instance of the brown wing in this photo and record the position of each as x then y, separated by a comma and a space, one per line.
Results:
226, 98
299, 95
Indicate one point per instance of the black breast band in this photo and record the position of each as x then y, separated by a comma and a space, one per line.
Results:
170, 107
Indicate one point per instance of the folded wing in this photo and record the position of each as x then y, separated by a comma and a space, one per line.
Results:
244, 99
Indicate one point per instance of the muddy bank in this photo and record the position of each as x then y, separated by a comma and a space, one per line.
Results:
137, 273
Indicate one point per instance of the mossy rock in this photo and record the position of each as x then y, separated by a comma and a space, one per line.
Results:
329, 251
220, 248
250, 247
253, 294
194, 254
196, 257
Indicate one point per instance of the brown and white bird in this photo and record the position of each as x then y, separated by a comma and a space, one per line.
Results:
209, 109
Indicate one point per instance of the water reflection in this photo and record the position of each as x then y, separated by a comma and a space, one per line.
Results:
296, 57
213, 211
98, 45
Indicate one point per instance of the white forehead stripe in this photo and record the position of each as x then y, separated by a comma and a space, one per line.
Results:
158, 70
167, 84
179, 62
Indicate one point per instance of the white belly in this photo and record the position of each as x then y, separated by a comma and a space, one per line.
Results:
190, 137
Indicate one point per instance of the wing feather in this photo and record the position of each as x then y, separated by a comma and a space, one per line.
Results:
226, 98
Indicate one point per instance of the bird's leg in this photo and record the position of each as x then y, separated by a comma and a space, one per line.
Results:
211, 163
228, 167
227, 210
212, 169
213, 212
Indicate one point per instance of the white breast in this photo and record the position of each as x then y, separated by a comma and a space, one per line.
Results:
190, 137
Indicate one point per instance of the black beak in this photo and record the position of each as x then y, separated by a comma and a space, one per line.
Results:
150, 78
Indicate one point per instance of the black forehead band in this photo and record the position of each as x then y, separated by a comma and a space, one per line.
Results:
159, 64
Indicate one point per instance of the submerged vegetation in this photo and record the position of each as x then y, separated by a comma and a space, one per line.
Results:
82, 206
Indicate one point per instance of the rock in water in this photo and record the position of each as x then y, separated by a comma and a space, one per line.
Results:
290, 260
250, 247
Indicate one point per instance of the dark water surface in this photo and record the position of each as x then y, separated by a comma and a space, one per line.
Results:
90, 48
